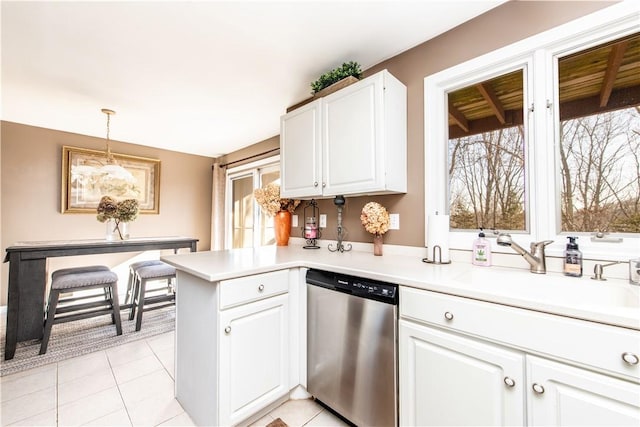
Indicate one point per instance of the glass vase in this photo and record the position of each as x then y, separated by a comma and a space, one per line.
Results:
116, 230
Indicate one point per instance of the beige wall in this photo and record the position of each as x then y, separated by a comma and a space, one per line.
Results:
31, 180
31, 157
253, 153
497, 28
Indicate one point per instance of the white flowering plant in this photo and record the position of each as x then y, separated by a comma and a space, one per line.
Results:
375, 218
270, 201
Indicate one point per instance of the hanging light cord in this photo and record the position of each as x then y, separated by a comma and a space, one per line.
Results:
109, 155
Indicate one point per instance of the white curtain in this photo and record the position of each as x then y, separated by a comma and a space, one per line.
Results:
217, 206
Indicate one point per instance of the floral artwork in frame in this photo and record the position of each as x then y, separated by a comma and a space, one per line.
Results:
85, 180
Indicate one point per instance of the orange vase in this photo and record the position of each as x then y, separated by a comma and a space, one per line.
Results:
282, 227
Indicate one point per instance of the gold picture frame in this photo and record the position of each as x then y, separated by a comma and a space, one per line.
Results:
83, 184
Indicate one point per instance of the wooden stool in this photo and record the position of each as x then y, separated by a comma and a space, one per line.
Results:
132, 275
85, 269
64, 281
143, 275
74, 270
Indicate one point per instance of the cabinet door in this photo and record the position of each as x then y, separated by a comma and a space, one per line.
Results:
563, 395
300, 153
351, 135
446, 379
254, 357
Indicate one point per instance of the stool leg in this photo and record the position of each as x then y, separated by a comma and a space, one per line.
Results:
115, 306
135, 297
48, 324
142, 285
129, 295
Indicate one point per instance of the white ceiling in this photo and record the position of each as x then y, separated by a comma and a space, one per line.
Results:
204, 78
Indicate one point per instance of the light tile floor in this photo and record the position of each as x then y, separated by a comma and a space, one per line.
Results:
129, 385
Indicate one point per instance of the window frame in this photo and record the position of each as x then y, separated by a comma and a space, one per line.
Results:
253, 169
538, 55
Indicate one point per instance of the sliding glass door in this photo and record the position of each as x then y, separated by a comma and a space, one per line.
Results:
247, 225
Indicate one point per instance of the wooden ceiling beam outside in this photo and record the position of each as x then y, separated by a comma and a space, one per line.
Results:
613, 65
487, 124
492, 99
458, 118
619, 99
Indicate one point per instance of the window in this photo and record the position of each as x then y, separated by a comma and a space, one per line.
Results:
569, 165
247, 225
486, 154
599, 150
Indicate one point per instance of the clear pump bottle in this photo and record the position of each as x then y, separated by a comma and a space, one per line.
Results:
481, 251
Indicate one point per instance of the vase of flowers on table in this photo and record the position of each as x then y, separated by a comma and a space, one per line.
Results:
375, 219
279, 208
117, 216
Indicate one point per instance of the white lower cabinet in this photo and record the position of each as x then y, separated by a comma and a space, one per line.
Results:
453, 380
254, 357
233, 347
468, 362
564, 395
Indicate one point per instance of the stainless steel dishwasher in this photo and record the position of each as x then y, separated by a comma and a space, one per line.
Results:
352, 326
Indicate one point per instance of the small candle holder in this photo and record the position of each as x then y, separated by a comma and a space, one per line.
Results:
310, 230
339, 201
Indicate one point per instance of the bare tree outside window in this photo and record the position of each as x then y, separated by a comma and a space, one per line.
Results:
600, 172
599, 127
486, 180
486, 155
598, 151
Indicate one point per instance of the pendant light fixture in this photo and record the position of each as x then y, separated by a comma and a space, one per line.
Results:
112, 169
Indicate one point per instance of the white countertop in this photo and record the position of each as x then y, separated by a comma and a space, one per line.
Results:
613, 302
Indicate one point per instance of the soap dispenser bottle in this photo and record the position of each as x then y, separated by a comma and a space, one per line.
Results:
481, 251
572, 259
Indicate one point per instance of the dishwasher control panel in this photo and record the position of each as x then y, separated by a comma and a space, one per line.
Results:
367, 288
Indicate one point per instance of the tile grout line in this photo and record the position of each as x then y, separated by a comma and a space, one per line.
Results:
126, 409
170, 376
160, 361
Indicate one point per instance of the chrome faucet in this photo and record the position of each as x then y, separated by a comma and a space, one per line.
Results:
535, 259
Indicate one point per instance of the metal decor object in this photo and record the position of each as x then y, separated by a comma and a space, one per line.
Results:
339, 201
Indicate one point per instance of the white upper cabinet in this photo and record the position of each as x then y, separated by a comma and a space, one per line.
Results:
351, 142
300, 152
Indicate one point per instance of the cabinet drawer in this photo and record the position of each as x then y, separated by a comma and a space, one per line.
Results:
253, 288
600, 346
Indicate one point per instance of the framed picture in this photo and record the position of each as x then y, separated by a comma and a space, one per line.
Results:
86, 177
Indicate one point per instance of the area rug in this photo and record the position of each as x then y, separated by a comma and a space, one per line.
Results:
80, 337
277, 423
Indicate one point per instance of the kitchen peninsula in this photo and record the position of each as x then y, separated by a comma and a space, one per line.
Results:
241, 335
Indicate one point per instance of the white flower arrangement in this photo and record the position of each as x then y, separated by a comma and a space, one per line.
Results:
375, 218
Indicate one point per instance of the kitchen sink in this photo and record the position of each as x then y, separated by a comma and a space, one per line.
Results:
552, 289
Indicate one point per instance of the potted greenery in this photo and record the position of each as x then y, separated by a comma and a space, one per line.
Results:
348, 69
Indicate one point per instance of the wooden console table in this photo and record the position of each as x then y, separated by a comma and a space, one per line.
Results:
28, 277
